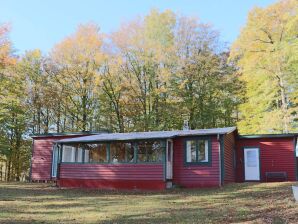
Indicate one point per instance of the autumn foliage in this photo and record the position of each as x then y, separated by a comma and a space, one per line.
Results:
153, 73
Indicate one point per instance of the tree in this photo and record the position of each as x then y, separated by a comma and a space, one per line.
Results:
266, 52
5, 47
146, 65
204, 83
152, 74
78, 59
14, 147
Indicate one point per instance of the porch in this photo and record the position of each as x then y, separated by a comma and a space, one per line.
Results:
130, 164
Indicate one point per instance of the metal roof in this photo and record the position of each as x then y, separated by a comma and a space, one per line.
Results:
147, 135
68, 134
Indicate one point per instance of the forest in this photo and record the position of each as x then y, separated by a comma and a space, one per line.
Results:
154, 73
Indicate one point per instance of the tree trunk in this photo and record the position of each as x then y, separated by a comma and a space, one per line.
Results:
84, 120
284, 105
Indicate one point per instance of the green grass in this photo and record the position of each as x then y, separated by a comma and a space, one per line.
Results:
236, 203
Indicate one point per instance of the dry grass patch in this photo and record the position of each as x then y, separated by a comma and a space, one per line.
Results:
235, 203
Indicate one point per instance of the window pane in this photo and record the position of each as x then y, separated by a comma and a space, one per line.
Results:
86, 156
191, 151
68, 153
203, 151
155, 152
150, 151
55, 160
251, 158
121, 152
142, 152
129, 152
79, 155
97, 152
117, 152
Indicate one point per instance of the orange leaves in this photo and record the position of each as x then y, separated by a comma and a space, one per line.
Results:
81, 48
5, 47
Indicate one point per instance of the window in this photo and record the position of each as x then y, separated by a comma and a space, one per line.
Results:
198, 151
79, 157
72, 153
117, 152
150, 151
55, 160
68, 153
121, 152
191, 152
202, 151
96, 153
86, 155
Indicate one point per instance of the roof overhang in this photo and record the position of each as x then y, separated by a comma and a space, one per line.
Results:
134, 136
83, 133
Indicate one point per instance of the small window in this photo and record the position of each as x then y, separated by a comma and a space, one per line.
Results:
197, 151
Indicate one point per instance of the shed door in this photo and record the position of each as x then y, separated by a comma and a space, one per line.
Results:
251, 164
169, 160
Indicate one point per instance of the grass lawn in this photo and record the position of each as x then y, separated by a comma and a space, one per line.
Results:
235, 203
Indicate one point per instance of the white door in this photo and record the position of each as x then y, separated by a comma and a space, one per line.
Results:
251, 164
169, 159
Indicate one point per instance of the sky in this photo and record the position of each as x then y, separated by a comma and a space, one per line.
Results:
42, 24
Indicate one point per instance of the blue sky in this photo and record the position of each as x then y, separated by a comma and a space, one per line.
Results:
41, 24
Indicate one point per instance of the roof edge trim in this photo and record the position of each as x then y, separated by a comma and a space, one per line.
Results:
68, 134
267, 136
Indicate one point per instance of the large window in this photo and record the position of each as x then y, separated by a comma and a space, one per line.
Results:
115, 152
121, 152
198, 151
96, 153
150, 151
72, 153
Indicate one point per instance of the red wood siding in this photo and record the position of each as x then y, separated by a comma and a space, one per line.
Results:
229, 147
195, 175
41, 161
112, 171
113, 184
123, 176
276, 155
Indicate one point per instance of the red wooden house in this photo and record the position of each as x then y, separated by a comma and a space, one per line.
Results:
162, 159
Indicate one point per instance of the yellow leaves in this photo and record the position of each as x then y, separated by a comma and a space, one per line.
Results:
264, 52
80, 48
